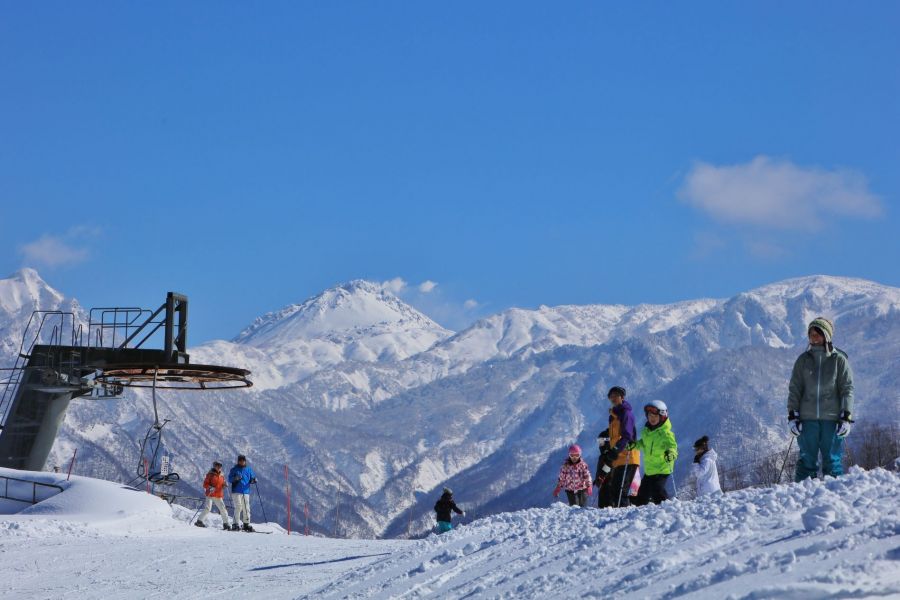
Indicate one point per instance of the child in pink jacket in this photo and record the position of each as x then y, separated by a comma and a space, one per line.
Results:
575, 478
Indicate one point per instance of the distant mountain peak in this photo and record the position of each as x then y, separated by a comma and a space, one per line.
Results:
26, 290
26, 274
350, 308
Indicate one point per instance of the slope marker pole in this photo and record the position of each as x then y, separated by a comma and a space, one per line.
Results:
287, 498
72, 464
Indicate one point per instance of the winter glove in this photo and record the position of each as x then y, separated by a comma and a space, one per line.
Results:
556, 491
669, 456
795, 424
611, 455
602, 473
630, 446
253, 480
603, 438
843, 429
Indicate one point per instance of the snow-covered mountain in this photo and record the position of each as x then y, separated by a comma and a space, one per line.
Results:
359, 321
373, 406
21, 294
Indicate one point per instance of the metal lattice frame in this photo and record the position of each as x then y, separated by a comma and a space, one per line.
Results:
175, 376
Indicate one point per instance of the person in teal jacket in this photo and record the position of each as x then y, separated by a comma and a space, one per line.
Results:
660, 449
820, 402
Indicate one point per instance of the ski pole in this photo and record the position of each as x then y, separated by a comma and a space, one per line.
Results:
197, 512
674, 485
784, 462
622, 487
263, 506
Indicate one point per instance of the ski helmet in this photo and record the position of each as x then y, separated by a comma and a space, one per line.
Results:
448, 491
657, 407
575, 449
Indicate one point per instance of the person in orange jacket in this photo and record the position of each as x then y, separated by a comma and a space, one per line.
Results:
616, 467
214, 488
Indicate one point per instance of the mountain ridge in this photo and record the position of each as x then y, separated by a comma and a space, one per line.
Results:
488, 409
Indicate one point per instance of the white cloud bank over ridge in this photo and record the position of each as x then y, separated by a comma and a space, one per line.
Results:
394, 286
53, 251
775, 193
427, 286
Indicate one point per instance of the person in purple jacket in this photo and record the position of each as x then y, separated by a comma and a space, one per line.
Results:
616, 467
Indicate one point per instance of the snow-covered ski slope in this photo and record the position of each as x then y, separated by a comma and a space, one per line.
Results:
837, 538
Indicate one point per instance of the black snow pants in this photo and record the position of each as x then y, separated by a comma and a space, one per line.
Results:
614, 491
580, 498
653, 489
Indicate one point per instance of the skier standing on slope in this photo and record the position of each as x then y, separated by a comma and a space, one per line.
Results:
575, 478
820, 402
704, 469
241, 477
616, 466
660, 451
214, 489
443, 507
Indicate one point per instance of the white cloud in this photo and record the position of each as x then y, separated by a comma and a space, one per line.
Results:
395, 285
427, 286
470, 304
778, 194
55, 251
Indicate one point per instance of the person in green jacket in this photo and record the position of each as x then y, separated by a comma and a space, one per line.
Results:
660, 449
820, 402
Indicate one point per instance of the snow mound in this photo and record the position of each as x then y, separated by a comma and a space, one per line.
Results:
838, 537
86, 504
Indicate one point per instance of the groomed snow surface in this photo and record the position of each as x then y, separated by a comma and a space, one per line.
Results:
834, 538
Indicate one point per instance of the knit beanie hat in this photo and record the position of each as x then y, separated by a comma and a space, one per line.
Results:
617, 390
575, 449
823, 325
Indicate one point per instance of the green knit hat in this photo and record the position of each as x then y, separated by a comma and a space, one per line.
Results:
823, 325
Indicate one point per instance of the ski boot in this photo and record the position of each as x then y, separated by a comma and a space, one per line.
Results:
199, 523
235, 527
248, 528
226, 526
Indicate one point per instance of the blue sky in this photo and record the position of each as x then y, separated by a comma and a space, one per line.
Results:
514, 153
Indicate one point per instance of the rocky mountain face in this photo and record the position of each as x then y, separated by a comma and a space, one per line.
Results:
374, 407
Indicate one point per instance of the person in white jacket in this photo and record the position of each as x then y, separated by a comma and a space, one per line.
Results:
704, 468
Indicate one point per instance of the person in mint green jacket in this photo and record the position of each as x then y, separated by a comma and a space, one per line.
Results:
820, 402
660, 449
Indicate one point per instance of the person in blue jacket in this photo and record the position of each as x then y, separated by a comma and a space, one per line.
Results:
241, 477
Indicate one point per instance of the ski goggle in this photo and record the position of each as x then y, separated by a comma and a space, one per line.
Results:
574, 456
651, 410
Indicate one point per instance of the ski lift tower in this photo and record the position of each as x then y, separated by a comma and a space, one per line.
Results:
58, 361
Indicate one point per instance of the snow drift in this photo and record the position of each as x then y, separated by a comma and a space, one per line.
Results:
820, 538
